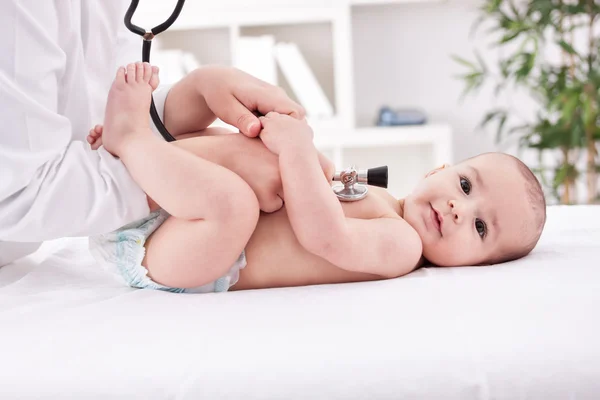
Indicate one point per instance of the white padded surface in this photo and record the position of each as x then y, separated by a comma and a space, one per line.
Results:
529, 329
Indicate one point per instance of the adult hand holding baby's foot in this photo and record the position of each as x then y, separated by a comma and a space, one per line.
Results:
127, 107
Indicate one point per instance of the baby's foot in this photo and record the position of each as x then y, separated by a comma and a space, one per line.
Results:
94, 138
128, 104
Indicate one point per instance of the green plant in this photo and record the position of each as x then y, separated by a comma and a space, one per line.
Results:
567, 89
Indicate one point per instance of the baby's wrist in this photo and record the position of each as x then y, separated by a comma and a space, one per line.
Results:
298, 148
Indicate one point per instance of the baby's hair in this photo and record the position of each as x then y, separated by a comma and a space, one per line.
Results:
537, 202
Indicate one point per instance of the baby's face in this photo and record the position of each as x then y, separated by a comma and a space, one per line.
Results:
472, 212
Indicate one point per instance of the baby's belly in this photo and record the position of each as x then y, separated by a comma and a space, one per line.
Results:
276, 259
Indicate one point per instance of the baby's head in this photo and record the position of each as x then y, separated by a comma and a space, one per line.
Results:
485, 210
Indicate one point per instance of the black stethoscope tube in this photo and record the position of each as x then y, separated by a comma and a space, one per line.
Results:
146, 46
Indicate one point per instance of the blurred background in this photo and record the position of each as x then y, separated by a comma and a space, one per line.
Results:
413, 84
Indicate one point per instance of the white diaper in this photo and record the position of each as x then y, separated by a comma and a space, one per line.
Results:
121, 252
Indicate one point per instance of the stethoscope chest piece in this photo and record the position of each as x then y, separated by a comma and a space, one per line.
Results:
351, 188
354, 193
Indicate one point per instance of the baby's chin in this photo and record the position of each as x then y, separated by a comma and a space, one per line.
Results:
442, 258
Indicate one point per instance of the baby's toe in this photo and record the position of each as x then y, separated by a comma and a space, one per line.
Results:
154, 79
139, 72
120, 78
147, 72
131, 68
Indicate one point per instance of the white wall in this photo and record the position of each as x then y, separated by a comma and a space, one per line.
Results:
401, 58
413, 68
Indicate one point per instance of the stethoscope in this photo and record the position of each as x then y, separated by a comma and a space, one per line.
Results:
147, 44
353, 180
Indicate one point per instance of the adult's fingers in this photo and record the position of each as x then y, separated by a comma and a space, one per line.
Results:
265, 99
233, 112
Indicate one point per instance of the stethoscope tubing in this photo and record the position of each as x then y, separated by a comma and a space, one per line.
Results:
146, 47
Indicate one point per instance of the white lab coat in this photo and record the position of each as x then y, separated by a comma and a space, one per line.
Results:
57, 61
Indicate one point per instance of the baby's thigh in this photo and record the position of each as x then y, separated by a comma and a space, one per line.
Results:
191, 253
210, 131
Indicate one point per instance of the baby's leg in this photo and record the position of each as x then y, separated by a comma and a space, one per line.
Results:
130, 93
181, 183
94, 137
191, 253
213, 210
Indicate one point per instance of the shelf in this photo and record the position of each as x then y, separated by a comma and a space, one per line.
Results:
323, 30
197, 15
339, 143
200, 14
381, 2
383, 136
330, 135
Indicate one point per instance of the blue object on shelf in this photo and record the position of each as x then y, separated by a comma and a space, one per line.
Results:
389, 117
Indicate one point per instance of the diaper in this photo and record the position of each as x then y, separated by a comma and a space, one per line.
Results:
121, 253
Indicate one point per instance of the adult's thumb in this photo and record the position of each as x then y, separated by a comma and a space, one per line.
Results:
243, 119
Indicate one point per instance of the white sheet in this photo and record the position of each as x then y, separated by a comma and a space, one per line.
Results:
525, 330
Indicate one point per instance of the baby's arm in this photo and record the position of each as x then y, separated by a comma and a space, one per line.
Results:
387, 247
247, 157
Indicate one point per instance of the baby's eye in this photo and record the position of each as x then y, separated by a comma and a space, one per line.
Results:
480, 227
465, 185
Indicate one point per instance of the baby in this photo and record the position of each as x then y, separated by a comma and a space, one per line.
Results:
210, 236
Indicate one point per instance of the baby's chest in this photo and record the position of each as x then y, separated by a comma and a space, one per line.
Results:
372, 206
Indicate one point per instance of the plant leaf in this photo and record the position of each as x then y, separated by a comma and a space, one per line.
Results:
560, 176
463, 61
567, 47
482, 64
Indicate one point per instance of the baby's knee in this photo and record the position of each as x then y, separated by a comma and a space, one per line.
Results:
239, 204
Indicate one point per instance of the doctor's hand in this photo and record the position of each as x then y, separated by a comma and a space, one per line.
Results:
237, 98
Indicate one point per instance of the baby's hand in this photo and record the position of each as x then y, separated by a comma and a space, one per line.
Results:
94, 138
282, 131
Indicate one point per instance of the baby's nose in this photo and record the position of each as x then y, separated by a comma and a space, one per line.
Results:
456, 210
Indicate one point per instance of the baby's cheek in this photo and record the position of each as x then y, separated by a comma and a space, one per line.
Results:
446, 253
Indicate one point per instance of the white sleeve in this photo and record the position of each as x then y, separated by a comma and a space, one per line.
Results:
160, 97
57, 187
51, 183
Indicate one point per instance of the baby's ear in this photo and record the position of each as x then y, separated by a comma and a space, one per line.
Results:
438, 169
